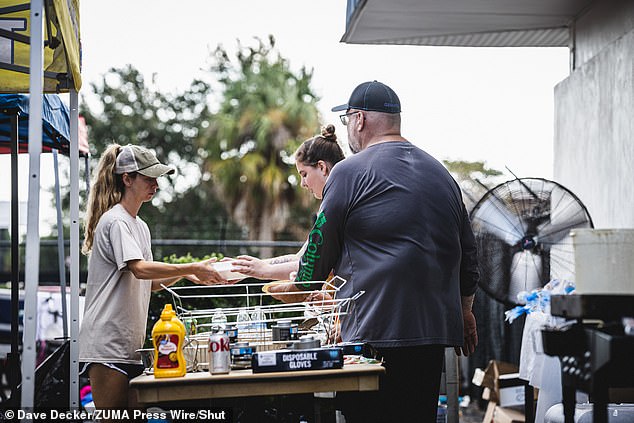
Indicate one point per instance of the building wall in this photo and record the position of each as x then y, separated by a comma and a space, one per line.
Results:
594, 116
605, 22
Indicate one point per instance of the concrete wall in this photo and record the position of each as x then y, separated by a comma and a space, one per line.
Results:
594, 116
605, 22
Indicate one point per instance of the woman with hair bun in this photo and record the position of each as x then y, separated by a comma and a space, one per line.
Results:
314, 160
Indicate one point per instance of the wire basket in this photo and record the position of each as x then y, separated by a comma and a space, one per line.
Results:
318, 317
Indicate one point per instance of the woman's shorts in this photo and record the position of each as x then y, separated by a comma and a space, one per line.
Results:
130, 370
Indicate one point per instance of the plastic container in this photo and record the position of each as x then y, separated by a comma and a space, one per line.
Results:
307, 342
243, 323
617, 413
284, 331
168, 335
232, 332
224, 268
219, 319
177, 321
604, 261
258, 319
241, 354
441, 414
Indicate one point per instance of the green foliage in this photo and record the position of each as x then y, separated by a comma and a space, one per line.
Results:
470, 170
235, 162
474, 178
131, 111
265, 112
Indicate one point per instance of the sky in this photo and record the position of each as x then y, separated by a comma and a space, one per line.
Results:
477, 104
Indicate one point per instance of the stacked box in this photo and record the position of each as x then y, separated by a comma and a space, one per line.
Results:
293, 360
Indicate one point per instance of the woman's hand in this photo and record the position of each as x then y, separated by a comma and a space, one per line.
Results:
286, 292
251, 266
203, 273
320, 298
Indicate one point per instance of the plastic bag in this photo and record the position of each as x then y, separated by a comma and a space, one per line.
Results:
538, 299
51, 381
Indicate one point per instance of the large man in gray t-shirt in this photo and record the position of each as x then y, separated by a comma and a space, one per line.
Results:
393, 224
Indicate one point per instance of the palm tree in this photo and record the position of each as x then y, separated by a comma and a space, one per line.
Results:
265, 111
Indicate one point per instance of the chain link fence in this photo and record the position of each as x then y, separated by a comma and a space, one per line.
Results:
161, 248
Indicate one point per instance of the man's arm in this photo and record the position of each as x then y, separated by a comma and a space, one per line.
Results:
469, 278
469, 271
470, 331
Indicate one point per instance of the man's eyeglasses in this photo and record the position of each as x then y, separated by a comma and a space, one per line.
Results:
344, 117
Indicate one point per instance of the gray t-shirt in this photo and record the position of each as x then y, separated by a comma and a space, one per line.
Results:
393, 224
117, 303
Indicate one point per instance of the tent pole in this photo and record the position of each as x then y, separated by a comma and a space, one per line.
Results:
14, 356
32, 262
87, 175
60, 245
74, 249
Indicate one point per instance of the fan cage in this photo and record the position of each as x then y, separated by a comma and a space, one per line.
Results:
522, 231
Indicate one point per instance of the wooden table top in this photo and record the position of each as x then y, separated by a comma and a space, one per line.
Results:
245, 383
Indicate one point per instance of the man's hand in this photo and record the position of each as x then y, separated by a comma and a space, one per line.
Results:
470, 334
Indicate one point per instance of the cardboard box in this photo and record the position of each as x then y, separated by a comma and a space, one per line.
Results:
497, 414
512, 396
293, 360
501, 382
507, 415
488, 415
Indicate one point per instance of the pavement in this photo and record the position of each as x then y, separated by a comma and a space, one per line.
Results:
472, 413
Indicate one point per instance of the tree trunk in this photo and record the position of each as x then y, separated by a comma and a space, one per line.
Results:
266, 233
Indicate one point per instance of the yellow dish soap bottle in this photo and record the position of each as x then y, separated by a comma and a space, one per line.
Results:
168, 335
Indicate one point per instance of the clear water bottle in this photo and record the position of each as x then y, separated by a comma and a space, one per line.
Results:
243, 322
219, 319
258, 317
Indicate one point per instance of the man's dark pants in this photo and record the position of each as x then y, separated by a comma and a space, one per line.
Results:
408, 391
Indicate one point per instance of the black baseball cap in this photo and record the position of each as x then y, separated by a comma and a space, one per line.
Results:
372, 96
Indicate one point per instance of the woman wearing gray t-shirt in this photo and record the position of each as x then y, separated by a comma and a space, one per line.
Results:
122, 273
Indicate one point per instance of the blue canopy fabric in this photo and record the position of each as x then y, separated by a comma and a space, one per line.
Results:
55, 123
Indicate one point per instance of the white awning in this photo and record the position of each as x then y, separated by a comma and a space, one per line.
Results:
467, 23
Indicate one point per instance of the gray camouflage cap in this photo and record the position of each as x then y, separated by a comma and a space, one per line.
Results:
133, 158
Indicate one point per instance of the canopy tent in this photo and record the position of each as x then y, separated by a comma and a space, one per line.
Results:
14, 116
51, 67
55, 124
61, 58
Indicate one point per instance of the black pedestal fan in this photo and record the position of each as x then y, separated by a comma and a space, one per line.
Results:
522, 229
